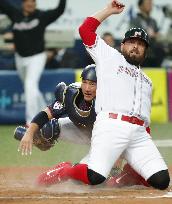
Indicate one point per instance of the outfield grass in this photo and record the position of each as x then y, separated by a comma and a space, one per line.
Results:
9, 156
62, 151
161, 131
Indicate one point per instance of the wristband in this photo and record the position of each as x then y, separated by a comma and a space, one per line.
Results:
40, 119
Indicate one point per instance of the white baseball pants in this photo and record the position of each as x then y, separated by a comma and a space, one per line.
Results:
112, 137
30, 70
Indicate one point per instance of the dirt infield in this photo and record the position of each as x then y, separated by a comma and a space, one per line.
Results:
17, 186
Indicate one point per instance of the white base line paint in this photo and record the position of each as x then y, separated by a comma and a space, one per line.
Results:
163, 143
167, 195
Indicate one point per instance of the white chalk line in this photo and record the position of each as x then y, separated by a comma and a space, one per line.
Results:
159, 143
163, 143
167, 195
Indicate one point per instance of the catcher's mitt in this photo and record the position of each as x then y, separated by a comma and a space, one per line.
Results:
41, 143
45, 138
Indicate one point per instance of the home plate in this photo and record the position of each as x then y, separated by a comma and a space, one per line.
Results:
167, 195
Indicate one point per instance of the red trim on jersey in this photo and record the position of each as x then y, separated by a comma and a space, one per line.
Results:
148, 130
79, 172
87, 31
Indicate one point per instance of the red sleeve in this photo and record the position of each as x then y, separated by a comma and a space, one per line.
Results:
87, 31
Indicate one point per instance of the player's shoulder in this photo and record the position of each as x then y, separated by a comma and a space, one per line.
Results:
61, 86
59, 92
76, 85
72, 90
61, 89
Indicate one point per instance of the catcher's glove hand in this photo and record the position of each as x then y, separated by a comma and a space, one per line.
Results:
45, 138
41, 143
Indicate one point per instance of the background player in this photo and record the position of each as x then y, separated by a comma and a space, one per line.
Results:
29, 26
123, 104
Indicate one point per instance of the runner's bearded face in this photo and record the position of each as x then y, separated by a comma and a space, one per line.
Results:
134, 50
88, 89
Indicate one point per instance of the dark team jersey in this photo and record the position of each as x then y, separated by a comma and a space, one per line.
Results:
70, 101
29, 30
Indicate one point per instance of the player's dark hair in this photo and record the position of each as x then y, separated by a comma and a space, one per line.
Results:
140, 2
107, 34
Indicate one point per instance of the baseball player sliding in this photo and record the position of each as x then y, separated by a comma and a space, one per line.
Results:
123, 106
77, 101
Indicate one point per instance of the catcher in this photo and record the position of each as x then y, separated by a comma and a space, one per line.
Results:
76, 101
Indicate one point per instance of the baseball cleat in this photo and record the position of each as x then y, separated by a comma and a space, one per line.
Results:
19, 132
128, 177
54, 175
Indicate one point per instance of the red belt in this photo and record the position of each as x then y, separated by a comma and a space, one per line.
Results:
130, 119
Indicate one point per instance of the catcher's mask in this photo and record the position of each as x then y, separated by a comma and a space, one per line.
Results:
136, 33
89, 73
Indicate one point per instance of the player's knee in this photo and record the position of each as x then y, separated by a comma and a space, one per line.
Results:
160, 180
95, 178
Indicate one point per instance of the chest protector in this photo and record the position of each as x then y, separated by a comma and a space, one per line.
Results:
73, 97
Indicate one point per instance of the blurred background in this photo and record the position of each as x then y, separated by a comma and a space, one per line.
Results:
66, 56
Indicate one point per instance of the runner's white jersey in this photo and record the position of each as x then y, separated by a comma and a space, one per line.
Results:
122, 87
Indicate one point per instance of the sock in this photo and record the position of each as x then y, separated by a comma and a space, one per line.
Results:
79, 172
135, 175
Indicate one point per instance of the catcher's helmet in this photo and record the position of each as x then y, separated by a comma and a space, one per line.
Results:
89, 73
137, 33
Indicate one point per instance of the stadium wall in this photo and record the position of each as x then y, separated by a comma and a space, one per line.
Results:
12, 100
170, 93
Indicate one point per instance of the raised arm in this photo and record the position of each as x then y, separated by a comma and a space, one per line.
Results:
89, 26
51, 15
114, 7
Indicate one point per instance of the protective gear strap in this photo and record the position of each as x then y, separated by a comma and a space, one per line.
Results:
40, 119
